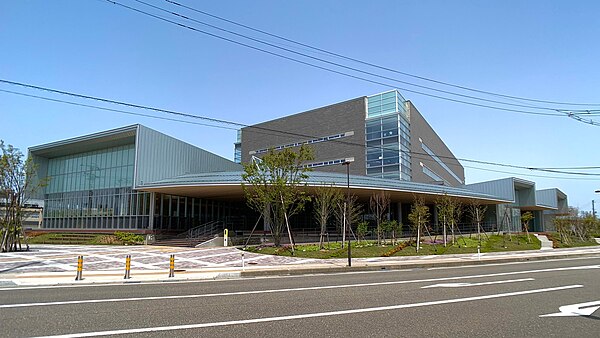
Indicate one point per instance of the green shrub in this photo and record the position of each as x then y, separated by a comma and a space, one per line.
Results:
129, 238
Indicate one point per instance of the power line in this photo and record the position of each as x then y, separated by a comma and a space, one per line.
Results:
113, 110
341, 65
263, 129
375, 65
558, 114
532, 175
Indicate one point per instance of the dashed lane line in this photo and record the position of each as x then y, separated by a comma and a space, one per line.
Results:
310, 315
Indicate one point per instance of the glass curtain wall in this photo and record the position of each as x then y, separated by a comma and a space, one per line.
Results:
387, 133
179, 213
93, 190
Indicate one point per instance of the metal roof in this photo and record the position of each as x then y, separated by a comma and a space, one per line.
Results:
228, 185
90, 142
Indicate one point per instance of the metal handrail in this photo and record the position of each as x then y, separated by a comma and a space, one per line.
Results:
204, 230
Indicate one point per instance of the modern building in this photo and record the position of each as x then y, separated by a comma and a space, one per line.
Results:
545, 205
140, 180
94, 181
383, 135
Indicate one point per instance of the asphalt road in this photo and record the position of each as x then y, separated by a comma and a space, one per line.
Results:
493, 300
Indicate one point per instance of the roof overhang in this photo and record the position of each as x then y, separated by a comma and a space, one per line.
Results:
110, 138
228, 186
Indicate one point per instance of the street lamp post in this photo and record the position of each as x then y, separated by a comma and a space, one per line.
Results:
346, 217
593, 208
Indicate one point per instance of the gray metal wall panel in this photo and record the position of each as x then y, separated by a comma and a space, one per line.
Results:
420, 129
160, 156
503, 188
526, 197
547, 197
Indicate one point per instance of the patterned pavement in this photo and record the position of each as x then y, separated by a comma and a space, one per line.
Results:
63, 258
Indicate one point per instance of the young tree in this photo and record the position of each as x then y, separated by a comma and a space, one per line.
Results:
361, 230
389, 227
325, 201
352, 215
379, 204
272, 187
419, 217
454, 214
562, 225
477, 213
397, 234
525, 219
445, 209
16, 186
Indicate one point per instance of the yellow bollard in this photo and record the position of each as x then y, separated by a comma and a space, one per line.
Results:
127, 267
172, 266
79, 268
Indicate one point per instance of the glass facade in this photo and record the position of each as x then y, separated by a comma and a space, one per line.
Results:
385, 103
101, 169
237, 151
387, 133
93, 190
113, 208
179, 213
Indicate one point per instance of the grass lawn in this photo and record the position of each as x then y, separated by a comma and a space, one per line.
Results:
494, 243
557, 241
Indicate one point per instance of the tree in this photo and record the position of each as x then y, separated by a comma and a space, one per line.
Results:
379, 204
273, 187
418, 218
525, 219
452, 212
562, 225
477, 212
445, 209
16, 186
361, 230
352, 215
389, 227
325, 201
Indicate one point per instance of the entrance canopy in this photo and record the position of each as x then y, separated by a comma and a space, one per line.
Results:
228, 186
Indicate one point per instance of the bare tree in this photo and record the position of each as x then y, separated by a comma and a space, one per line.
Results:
325, 201
477, 213
379, 205
454, 215
445, 209
419, 218
352, 213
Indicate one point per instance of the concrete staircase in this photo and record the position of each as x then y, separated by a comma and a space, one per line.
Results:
546, 243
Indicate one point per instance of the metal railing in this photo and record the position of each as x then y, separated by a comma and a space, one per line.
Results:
204, 231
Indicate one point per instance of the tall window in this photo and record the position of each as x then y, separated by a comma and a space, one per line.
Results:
387, 133
100, 169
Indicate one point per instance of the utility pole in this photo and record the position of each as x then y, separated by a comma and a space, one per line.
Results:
593, 209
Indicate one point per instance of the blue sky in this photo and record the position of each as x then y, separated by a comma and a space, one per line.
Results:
535, 49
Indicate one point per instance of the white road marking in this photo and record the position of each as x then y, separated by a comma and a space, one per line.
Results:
581, 309
308, 315
511, 263
310, 288
460, 285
